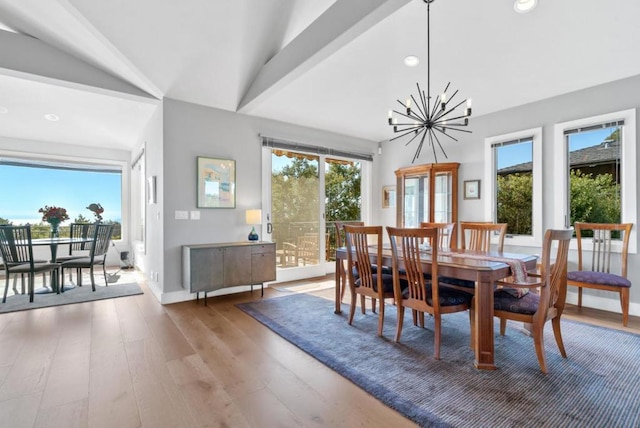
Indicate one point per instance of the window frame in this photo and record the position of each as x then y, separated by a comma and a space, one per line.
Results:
627, 175
535, 239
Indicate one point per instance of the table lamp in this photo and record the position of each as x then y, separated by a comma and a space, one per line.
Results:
253, 217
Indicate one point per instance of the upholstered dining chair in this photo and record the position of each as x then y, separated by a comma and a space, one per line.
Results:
420, 294
17, 255
97, 256
340, 242
445, 232
596, 274
476, 236
546, 305
369, 282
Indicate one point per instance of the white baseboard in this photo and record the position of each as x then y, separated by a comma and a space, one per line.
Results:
603, 300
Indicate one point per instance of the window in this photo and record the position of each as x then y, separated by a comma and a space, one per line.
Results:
514, 184
70, 185
596, 170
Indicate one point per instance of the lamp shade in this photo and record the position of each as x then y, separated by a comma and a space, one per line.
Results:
253, 216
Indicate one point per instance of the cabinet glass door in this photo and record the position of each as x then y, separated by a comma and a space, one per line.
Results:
442, 198
416, 200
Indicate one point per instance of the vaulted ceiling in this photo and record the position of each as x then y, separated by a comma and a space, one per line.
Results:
327, 64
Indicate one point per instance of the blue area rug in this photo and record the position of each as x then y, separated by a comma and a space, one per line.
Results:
75, 295
597, 385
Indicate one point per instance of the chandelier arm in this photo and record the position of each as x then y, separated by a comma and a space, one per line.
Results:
424, 99
435, 106
446, 112
433, 147
406, 133
424, 134
441, 120
455, 129
422, 113
408, 116
412, 115
439, 145
441, 130
414, 137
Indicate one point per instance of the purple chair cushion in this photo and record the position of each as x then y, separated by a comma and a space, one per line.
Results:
504, 301
598, 278
446, 296
387, 282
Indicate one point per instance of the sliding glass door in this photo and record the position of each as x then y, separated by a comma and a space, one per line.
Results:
304, 194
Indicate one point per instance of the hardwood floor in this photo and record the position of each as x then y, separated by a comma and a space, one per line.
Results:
132, 362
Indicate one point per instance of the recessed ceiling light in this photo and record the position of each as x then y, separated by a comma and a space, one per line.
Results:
524, 6
52, 117
4, 110
411, 61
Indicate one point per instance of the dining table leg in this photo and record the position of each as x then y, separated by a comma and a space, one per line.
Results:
484, 351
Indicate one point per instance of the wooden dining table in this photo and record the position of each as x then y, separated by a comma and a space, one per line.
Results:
478, 266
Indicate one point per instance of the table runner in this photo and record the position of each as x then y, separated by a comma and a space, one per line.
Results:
518, 267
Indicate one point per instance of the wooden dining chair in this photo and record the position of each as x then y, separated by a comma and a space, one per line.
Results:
17, 255
368, 282
340, 242
445, 233
97, 256
597, 273
538, 308
419, 293
476, 236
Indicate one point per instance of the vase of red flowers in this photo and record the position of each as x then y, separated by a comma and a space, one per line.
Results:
54, 216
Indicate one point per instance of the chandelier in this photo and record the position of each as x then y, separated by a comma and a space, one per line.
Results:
427, 121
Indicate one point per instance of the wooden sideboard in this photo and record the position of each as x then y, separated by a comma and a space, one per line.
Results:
210, 267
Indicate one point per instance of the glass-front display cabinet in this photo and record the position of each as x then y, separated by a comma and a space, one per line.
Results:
428, 193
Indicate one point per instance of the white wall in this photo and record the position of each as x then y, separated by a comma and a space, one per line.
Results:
469, 151
190, 131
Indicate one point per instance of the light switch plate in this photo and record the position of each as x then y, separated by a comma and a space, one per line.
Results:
182, 215
195, 215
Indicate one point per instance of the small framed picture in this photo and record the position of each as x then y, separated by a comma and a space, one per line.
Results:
388, 196
472, 189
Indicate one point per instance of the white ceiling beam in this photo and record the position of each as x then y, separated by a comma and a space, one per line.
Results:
337, 26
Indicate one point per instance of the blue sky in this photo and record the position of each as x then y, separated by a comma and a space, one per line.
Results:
29, 189
519, 153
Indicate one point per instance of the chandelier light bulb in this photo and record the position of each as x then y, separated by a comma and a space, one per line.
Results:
524, 6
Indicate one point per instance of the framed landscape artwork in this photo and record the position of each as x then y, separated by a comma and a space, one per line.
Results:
216, 183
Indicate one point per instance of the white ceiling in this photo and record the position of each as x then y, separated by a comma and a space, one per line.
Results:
210, 51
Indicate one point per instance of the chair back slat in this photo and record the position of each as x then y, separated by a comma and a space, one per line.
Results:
553, 293
477, 236
102, 240
602, 249
445, 233
357, 242
405, 245
81, 231
340, 240
15, 244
